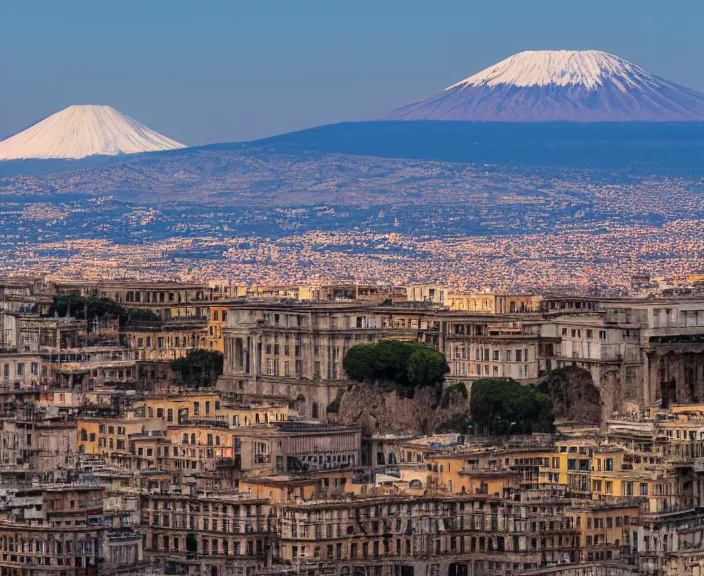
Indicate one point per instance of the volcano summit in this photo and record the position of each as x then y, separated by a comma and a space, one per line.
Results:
559, 85
80, 131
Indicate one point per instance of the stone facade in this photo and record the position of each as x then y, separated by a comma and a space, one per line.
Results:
636, 351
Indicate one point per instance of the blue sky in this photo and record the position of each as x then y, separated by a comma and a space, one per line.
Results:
214, 71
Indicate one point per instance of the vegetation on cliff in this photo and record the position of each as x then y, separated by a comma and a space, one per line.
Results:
200, 368
406, 365
92, 307
88, 308
506, 407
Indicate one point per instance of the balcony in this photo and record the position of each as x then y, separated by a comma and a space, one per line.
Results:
169, 324
262, 458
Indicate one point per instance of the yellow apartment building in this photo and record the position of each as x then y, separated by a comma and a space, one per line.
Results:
605, 527
286, 488
179, 409
575, 463
104, 436
253, 415
620, 473
216, 321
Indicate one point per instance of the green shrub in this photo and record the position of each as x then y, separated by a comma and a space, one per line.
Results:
408, 365
507, 407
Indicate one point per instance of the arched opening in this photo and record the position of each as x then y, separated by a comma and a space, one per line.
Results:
300, 404
191, 545
314, 410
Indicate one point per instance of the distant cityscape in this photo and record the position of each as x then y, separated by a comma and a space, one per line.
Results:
581, 237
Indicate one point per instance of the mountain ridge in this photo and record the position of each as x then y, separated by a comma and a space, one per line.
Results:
82, 131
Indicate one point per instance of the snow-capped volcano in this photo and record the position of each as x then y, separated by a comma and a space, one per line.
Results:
559, 85
80, 131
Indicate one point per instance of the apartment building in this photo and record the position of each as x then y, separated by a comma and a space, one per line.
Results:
218, 533
59, 529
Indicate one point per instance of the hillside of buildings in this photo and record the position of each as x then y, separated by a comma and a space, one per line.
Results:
181, 429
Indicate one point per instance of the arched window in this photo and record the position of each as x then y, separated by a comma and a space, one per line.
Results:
185, 439
193, 438
84, 435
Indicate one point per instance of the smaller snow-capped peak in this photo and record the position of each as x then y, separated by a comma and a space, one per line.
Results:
85, 130
587, 68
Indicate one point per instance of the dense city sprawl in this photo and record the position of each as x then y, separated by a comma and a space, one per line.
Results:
582, 214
